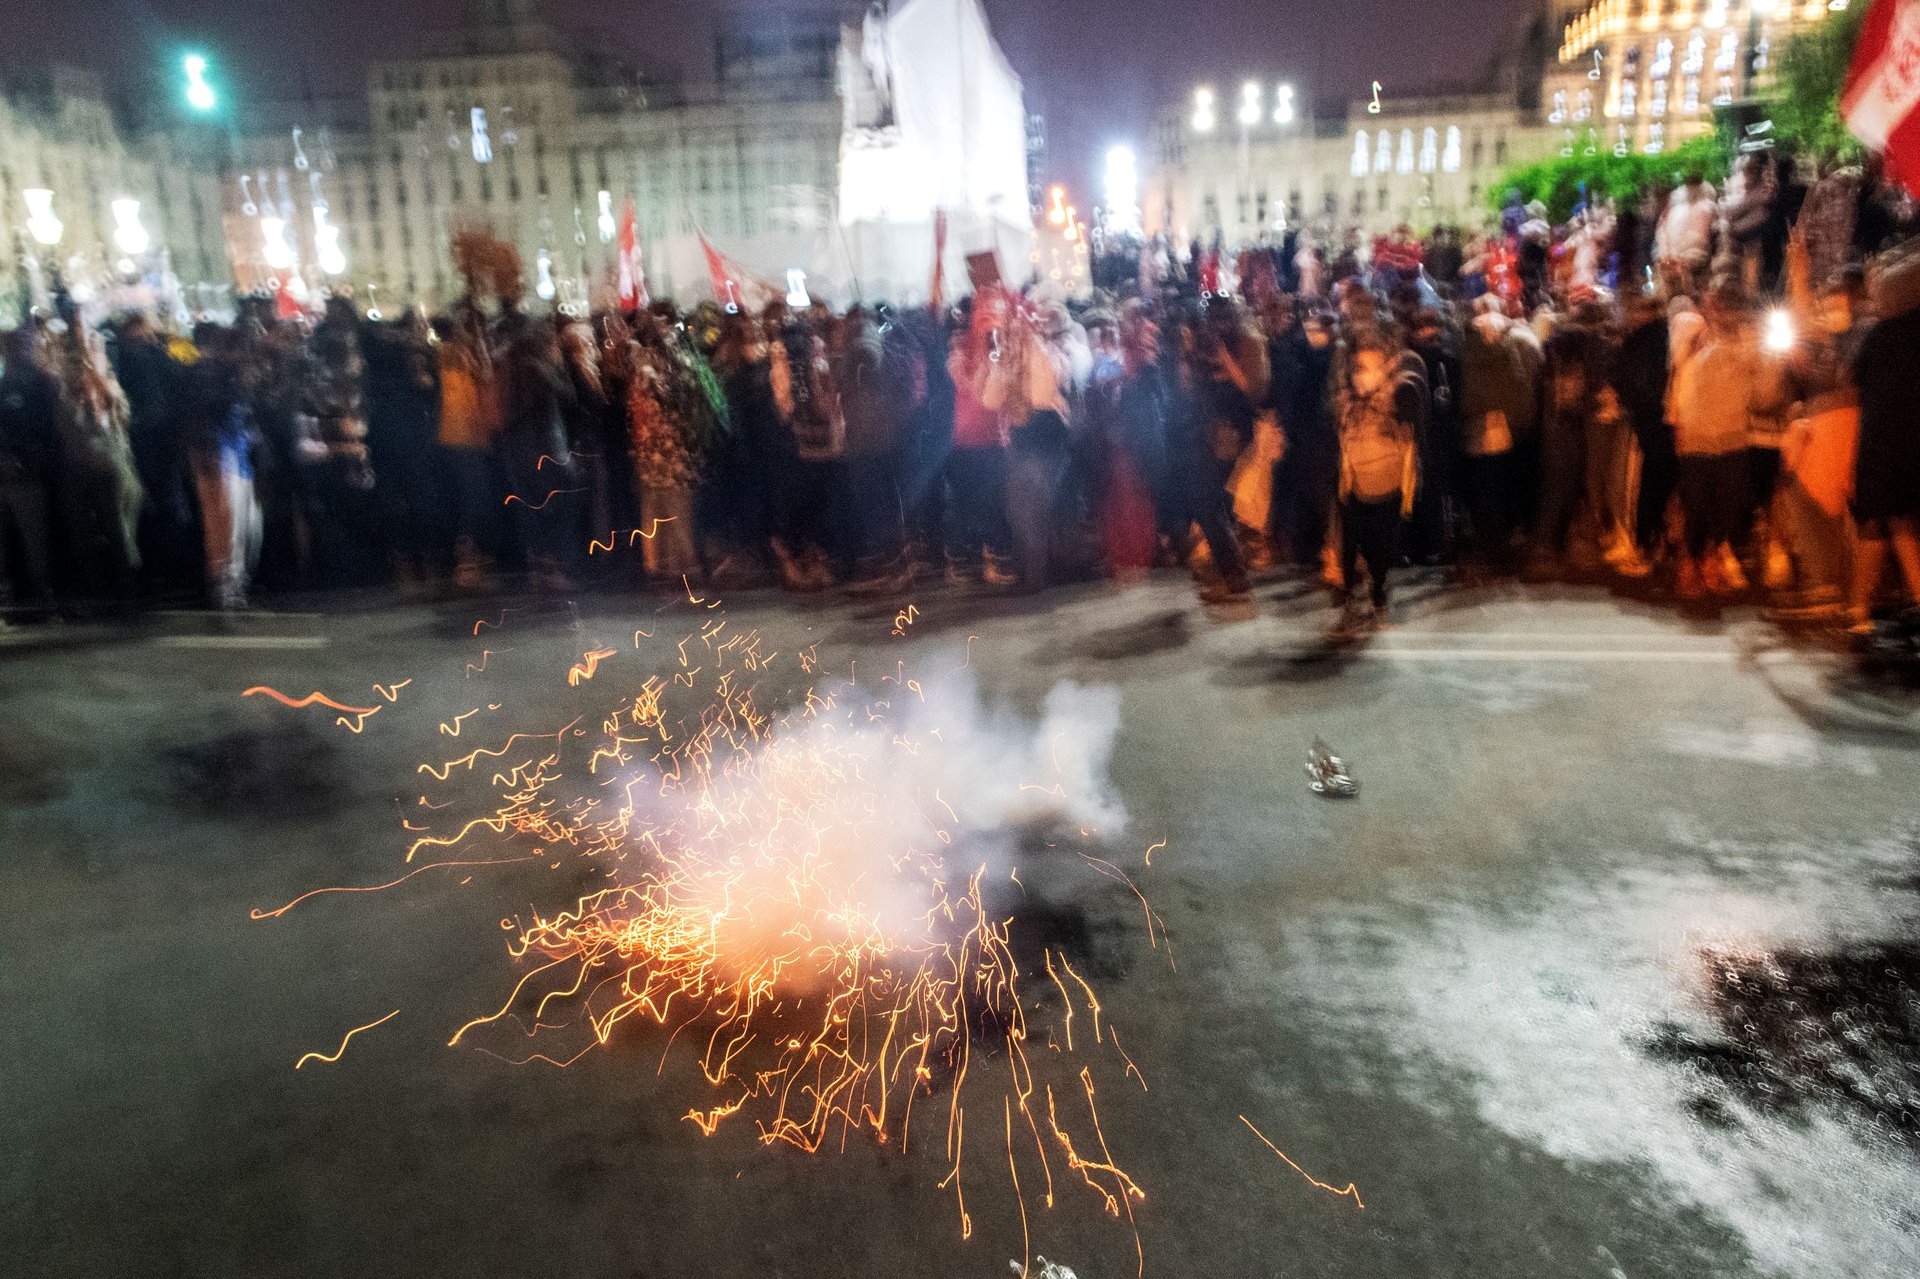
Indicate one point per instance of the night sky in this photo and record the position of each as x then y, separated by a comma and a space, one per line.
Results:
1097, 68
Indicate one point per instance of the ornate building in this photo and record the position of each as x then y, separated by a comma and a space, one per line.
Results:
125, 213
1647, 75
508, 124
1263, 161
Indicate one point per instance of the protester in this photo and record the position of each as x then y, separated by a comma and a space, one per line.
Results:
1515, 395
1378, 406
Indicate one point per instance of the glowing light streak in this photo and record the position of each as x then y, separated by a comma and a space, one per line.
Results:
584, 670
1349, 1191
311, 699
378, 888
341, 1050
541, 505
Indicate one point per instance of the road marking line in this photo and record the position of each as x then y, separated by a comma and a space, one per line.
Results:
1696, 655
242, 641
1552, 637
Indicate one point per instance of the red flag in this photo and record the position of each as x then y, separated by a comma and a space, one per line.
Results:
633, 271
726, 291
937, 293
1881, 100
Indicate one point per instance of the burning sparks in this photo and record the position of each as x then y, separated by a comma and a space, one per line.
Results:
816, 903
342, 1049
1349, 1191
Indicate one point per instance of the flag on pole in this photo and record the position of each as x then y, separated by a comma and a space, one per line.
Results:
632, 270
936, 293
726, 290
1881, 100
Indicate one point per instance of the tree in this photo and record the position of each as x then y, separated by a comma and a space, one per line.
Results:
1806, 92
1564, 182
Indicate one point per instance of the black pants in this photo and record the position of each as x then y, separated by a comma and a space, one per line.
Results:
1491, 481
1212, 509
976, 480
1659, 474
1563, 460
1713, 494
1370, 530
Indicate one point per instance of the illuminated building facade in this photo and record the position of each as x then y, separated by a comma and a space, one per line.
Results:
129, 210
1248, 167
1646, 75
511, 126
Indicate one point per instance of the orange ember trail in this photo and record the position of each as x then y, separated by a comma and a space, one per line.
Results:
583, 670
1350, 1191
811, 904
341, 1050
378, 888
311, 699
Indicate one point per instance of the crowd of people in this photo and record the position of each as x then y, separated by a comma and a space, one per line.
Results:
1662, 394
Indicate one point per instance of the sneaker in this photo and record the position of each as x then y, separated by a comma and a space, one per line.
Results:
1689, 582
1630, 564
994, 575
1778, 572
1226, 593
1732, 578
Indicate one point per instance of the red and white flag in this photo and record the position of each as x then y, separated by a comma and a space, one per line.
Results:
937, 292
1881, 100
726, 289
632, 271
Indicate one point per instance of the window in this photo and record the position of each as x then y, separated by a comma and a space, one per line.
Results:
1405, 164
486, 188
1500, 151
1450, 158
1330, 202
1729, 52
1359, 156
1382, 151
1380, 198
1479, 150
513, 185
1429, 150
400, 193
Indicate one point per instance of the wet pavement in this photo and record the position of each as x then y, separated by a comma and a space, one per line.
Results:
1608, 971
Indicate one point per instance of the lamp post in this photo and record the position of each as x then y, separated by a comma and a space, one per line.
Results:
45, 228
201, 96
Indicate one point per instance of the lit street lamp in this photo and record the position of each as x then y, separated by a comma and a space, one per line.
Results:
42, 225
1203, 115
200, 95
129, 236
1249, 104
1283, 104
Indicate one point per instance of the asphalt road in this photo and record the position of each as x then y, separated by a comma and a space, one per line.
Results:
1609, 972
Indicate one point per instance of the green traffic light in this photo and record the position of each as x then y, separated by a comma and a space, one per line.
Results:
200, 95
